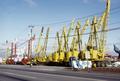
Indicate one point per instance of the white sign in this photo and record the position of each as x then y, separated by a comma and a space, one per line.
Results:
87, 55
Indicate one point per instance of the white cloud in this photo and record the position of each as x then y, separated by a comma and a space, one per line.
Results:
31, 2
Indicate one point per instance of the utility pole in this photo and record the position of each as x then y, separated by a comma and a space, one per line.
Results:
11, 48
29, 47
30, 41
6, 55
15, 49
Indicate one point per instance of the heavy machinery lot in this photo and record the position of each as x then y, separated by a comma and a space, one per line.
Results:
81, 49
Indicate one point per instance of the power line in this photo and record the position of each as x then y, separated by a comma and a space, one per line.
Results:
98, 13
117, 28
111, 13
82, 21
116, 8
73, 35
114, 23
112, 29
23, 43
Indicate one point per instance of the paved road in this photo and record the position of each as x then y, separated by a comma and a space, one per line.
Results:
46, 74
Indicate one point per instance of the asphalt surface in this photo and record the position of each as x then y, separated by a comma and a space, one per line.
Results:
50, 73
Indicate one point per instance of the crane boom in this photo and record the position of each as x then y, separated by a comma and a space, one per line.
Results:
80, 33
66, 37
38, 48
59, 44
46, 41
104, 27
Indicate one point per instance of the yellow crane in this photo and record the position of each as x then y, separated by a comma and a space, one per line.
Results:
43, 54
104, 27
97, 38
77, 53
60, 50
62, 54
67, 35
74, 42
58, 56
68, 51
41, 50
38, 48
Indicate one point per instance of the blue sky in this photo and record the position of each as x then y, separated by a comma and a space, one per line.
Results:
16, 15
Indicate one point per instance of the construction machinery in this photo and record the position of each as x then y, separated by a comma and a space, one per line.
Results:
58, 56
60, 50
93, 51
28, 56
68, 51
79, 37
43, 54
117, 50
62, 54
11, 58
38, 48
97, 38
41, 58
